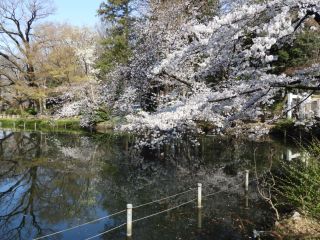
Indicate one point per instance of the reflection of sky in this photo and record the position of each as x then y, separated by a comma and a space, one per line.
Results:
16, 195
42, 204
9, 203
87, 230
4, 134
70, 193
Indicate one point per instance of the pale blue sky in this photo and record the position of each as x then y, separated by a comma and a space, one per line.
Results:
76, 12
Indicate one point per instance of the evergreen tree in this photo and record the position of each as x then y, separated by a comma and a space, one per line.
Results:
116, 14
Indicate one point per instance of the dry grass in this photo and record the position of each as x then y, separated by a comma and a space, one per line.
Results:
299, 228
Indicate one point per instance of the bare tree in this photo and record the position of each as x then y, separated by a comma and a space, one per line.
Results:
266, 183
17, 19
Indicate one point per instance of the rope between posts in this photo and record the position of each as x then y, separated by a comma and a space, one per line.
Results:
112, 229
167, 210
224, 190
81, 225
96, 220
142, 218
165, 198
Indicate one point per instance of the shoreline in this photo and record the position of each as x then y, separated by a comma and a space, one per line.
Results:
41, 124
253, 130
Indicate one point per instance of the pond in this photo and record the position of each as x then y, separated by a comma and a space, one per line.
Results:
50, 182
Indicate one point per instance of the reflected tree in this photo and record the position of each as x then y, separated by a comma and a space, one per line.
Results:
37, 191
50, 182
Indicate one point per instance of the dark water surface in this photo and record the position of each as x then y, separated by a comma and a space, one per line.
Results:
49, 182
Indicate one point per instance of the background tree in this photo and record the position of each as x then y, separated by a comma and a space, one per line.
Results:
63, 54
65, 59
17, 52
119, 17
62, 61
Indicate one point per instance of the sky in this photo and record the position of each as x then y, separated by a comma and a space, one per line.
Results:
76, 12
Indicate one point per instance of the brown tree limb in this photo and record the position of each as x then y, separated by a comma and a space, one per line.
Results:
301, 87
9, 78
234, 96
8, 58
164, 73
287, 86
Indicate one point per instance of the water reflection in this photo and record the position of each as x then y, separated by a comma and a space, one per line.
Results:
40, 181
49, 182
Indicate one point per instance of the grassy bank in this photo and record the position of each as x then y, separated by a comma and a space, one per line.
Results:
298, 182
292, 130
294, 190
46, 125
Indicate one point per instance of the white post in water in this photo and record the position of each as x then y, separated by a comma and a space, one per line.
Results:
199, 219
289, 105
289, 155
35, 126
129, 220
247, 181
246, 200
199, 195
24, 126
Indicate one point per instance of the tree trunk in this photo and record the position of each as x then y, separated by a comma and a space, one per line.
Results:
40, 106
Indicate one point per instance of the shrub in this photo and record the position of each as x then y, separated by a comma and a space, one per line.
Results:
32, 111
102, 115
299, 182
303, 51
12, 111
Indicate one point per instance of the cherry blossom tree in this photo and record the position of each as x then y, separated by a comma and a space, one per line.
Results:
216, 69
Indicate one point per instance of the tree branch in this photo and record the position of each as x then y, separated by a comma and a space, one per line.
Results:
234, 96
308, 14
164, 73
11, 61
301, 87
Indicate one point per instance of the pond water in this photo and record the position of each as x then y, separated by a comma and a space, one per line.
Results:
50, 182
